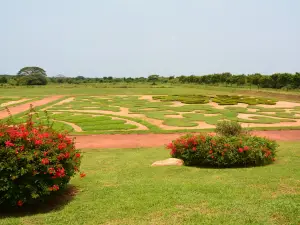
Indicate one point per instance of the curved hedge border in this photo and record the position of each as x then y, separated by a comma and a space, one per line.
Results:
221, 151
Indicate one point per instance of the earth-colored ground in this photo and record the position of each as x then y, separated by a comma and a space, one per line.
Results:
157, 140
23, 107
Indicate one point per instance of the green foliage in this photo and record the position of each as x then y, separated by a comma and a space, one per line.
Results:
33, 79
32, 70
220, 99
229, 128
235, 99
187, 99
223, 151
35, 162
3, 80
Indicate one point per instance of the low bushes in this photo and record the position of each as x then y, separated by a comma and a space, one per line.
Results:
235, 99
223, 151
220, 99
35, 162
229, 128
187, 99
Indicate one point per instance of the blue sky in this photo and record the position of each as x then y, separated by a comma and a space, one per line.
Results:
134, 38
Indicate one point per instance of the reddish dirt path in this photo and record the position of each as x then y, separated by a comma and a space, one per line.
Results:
21, 108
157, 140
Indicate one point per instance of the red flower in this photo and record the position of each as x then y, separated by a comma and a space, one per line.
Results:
82, 175
45, 161
210, 152
45, 135
77, 155
246, 148
60, 136
45, 153
38, 142
21, 148
213, 142
20, 203
55, 187
170, 146
194, 149
60, 172
62, 146
203, 139
9, 144
60, 156
173, 151
241, 150
212, 157
67, 155
51, 170
1, 134
68, 140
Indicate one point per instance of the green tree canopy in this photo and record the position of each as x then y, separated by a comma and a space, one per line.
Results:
32, 70
34, 79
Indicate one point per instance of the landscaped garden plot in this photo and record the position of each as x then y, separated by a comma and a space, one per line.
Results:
121, 113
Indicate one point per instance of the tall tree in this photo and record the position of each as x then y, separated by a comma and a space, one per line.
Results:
32, 70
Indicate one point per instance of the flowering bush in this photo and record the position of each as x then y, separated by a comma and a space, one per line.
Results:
35, 161
222, 151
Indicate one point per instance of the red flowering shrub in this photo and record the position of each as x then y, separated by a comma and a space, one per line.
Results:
222, 151
35, 161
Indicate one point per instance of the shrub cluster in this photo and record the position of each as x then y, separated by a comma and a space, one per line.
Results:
220, 99
235, 99
187, 99
35, 162
229, 128
222, 151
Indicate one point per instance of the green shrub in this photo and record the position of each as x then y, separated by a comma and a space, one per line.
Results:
228, 128
222, 151
35, 162
187, 99
235, 99
220, 99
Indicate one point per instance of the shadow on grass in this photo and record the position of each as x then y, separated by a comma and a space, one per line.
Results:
53, 203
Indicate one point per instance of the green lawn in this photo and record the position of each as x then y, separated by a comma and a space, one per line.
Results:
122, 188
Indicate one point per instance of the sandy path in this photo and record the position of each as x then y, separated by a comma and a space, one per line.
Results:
21, 108
74, 126
61, 102
14, 102
157, 140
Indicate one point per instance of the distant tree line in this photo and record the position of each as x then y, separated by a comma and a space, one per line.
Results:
38, 76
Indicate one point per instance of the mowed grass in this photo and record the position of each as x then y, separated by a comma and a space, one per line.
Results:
122, 188
111, 89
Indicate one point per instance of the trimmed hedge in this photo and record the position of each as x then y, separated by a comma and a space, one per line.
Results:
235, 99
220, 99
187, 99
222, 151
